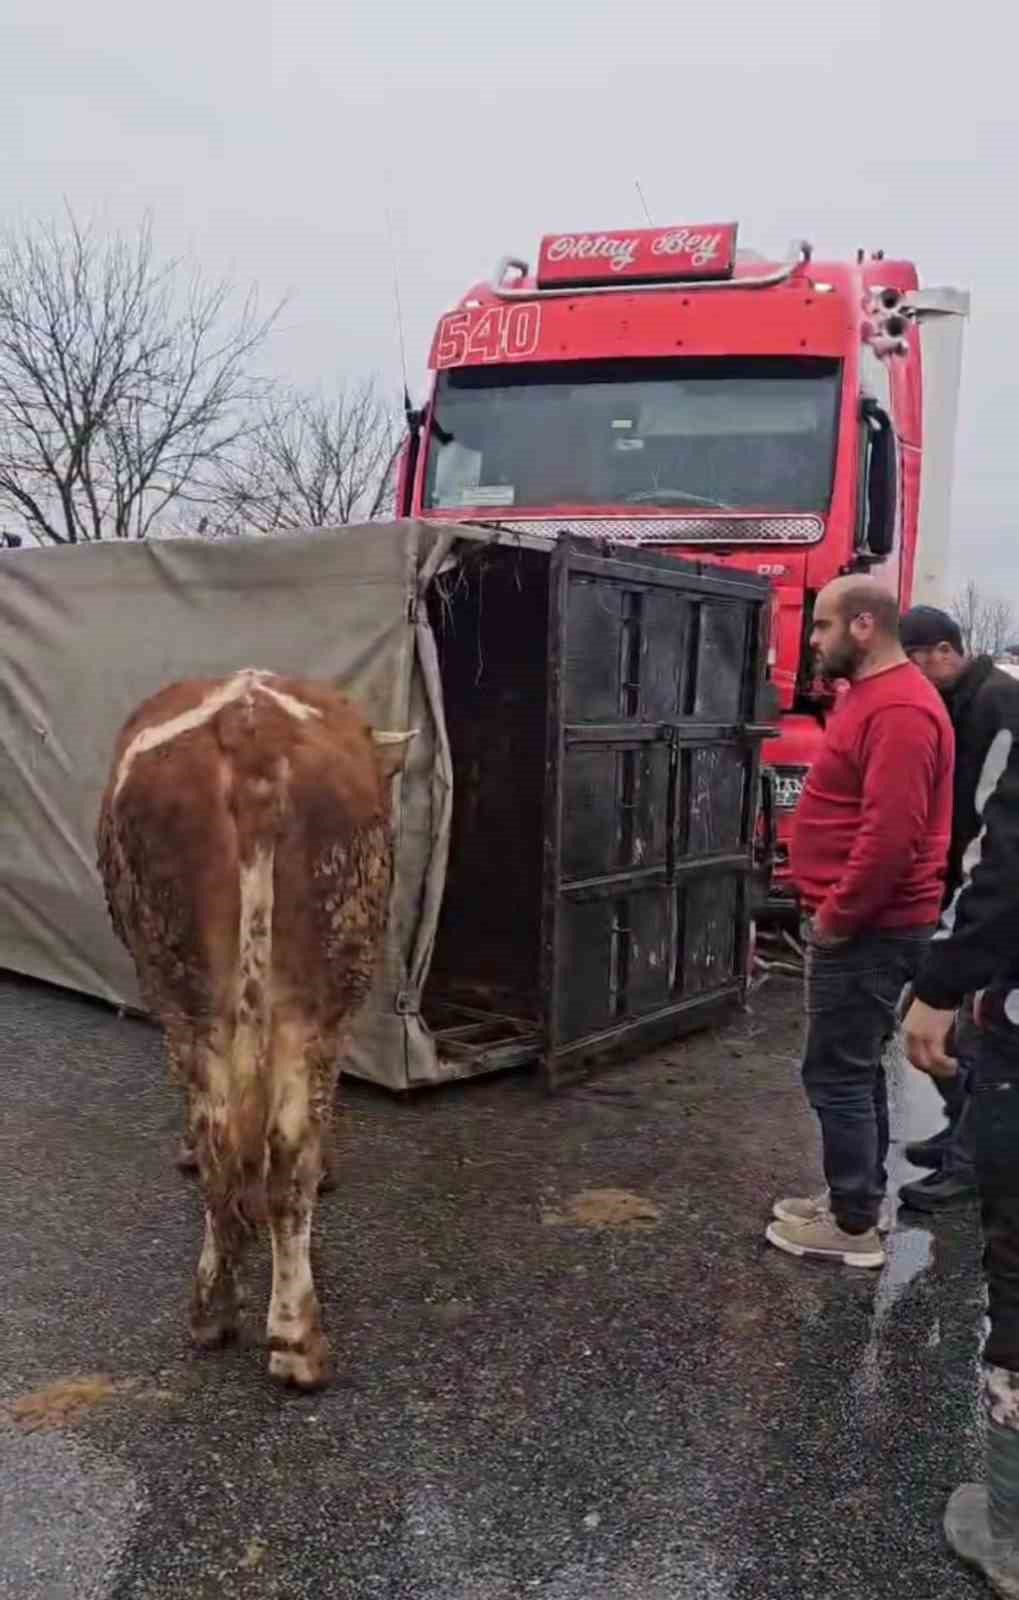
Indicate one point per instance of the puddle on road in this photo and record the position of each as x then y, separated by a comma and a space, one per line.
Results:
910, 1252
915, 1111
604, 1208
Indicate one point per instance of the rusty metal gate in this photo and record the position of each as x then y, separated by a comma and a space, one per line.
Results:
656, 670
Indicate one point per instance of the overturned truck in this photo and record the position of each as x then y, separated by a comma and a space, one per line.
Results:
575, 824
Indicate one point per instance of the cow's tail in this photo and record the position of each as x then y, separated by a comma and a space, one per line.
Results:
249, 1055
257, 802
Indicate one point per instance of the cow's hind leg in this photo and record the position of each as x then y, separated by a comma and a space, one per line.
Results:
299, 1350
216, 1301
180, 1053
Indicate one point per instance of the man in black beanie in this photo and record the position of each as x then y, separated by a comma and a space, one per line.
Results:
982, 700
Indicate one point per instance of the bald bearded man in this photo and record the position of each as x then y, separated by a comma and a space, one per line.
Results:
868, 856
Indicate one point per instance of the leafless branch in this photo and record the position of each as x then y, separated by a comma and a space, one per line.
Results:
311, 460
988, 626
121, 380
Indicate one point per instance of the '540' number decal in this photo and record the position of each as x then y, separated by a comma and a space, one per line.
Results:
495, 333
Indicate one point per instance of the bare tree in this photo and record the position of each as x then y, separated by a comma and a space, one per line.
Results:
122, 379
312, 460
988, 626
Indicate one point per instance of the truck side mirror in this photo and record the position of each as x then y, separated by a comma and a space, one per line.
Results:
881, 481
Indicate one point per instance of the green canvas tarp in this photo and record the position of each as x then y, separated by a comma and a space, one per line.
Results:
88, 632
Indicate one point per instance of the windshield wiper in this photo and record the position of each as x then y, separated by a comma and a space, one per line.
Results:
644, 495
677, 495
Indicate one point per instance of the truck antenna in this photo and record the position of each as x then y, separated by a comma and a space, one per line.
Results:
399, 309
643, 202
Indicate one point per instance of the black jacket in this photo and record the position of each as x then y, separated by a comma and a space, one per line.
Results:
978, 940
983, 701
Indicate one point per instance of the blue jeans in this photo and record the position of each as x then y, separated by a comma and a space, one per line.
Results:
852, 991
994, 1092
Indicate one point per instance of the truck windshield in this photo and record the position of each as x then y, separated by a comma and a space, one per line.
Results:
753, 434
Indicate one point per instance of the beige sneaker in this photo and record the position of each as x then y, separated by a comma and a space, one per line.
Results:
823, 1237
810, 1208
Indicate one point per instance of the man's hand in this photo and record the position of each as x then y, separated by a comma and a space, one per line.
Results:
925, 1036
825, 941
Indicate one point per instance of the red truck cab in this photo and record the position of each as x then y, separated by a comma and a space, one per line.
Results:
791, 418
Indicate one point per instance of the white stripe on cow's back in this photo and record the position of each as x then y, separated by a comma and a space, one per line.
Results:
296, 708
242, 683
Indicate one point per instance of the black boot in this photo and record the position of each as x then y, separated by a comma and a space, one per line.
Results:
929, 1152
955, 1182
952, 1187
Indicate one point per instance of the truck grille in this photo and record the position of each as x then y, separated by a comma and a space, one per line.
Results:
691, 530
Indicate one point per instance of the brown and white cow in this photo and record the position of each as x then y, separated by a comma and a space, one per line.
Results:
245, 848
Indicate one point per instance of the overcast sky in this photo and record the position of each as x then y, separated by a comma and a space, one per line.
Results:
269, 138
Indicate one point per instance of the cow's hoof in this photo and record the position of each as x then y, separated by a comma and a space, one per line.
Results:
185, 1159
209, 1333
310, 1367
215, 1319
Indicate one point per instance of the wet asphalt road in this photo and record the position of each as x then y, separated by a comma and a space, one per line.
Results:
524, 1406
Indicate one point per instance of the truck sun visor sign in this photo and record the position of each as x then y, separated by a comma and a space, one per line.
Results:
638, 255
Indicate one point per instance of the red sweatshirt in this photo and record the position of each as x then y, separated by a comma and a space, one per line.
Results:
870, 837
